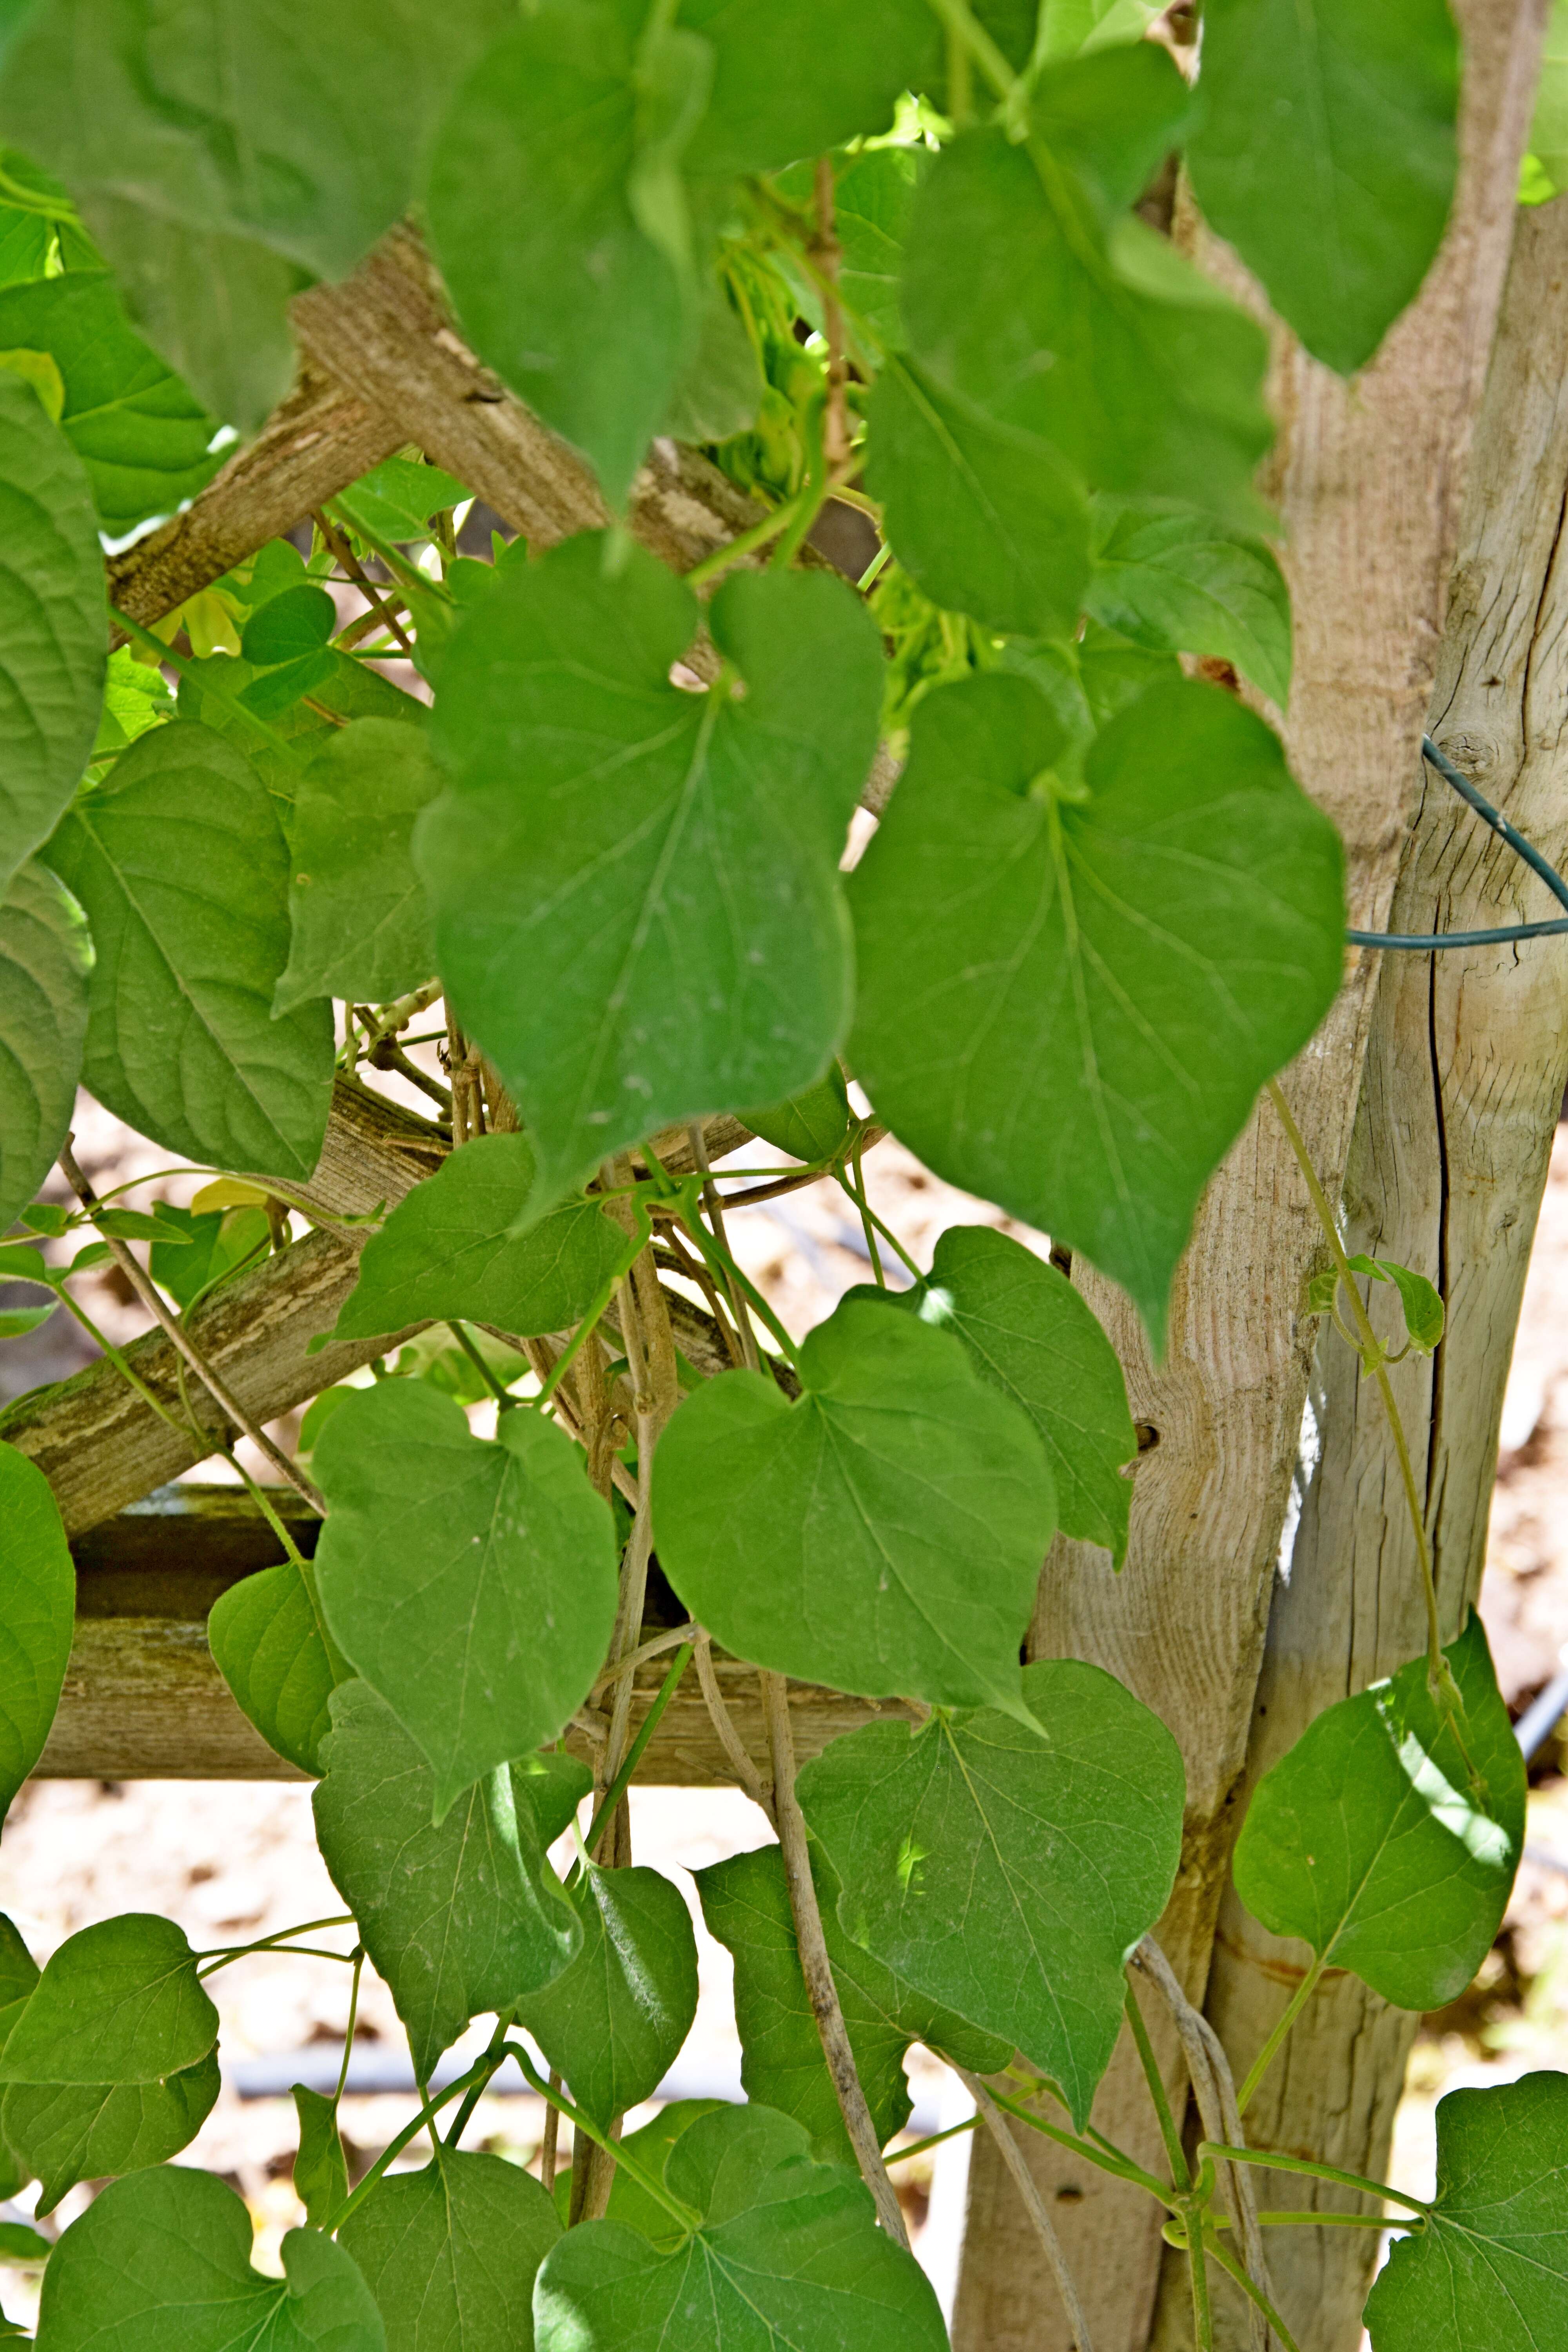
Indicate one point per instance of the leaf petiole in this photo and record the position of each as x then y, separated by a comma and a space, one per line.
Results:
1314, 2171
1267, 2056
634, 2170
622, 1781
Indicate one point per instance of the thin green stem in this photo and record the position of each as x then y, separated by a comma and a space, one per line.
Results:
965, 28
919, 2146
408, 574
1254, 2293
881, 1224
717, 1255
858, 1194
1152, 2075
590, 1322
746, 542
1270, 2220
1197, 2270
622, 1781
873, 571
491, 1379
633, 2166
1272, 2163
1371, 1353
155, 1404
221, 1954
353, 2020
465, 2115
1122, 2166
812, 494
480, 2071
1270, 2050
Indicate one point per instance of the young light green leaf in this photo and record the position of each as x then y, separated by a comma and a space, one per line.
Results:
1098, 985
1139, 371
118, 2002
270, 1645
1388, 1837
446, 1251
988, 519
532, 220
1325, 152
1488, 2272
614, 2022
1006, 1872
204, 1249
795, 79
690, 918
1423, 1310
139, 430
396, 500
180, 865
1177, 582
135, 699
1030, 1334
456, 1919
37, 1616
788, 2255
745, 1903
450, 2254
321, 2167
52, 638
873, 198
810, 1126
471, 1582
359, 926
161, 2264
46, 956
883, 1534
60, 2133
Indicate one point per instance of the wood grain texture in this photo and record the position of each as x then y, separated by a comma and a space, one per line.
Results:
315, 442
1368, 479
1463, 1079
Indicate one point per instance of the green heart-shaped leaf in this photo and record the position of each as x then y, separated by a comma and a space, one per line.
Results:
1008, 1872
471, 1582
1102, 977
118, 2002
450, 2254
613, 2023
269, 1643
1388, 1837
60, 2133
883, 1534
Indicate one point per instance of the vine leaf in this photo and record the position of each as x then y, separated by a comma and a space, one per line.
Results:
1340, 208
986, 518
38, 1618
118, 2002
450, 2254
810, 1126
1029, 1333
796, 81
1005, 1872
52, 636
1171, 579
458, 1918
1490, 2270
532, 222
883, 1534
321, 2167
359, 924
205, 1247
614, 2022
271, 1647
179, 862
745, 1903
398, 498
1102, 974
60, 2133
143, 437
788, 2253
1142, 375
448, 1251
691, 916
1389, 1840
471, 1582
161, 2264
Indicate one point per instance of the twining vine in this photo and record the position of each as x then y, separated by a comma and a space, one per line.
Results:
900, 274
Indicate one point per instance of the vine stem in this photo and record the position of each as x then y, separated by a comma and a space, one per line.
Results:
1012, 2156
344, 554
479, 2072
730, 1739
714, 1206
1266, 2056
1254, 2293
1372, 1353
175, 1330
1152, 2075
815, 1966
1314, 2171
835, 427
634, 1756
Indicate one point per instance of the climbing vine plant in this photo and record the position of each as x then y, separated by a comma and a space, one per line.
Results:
909, 259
